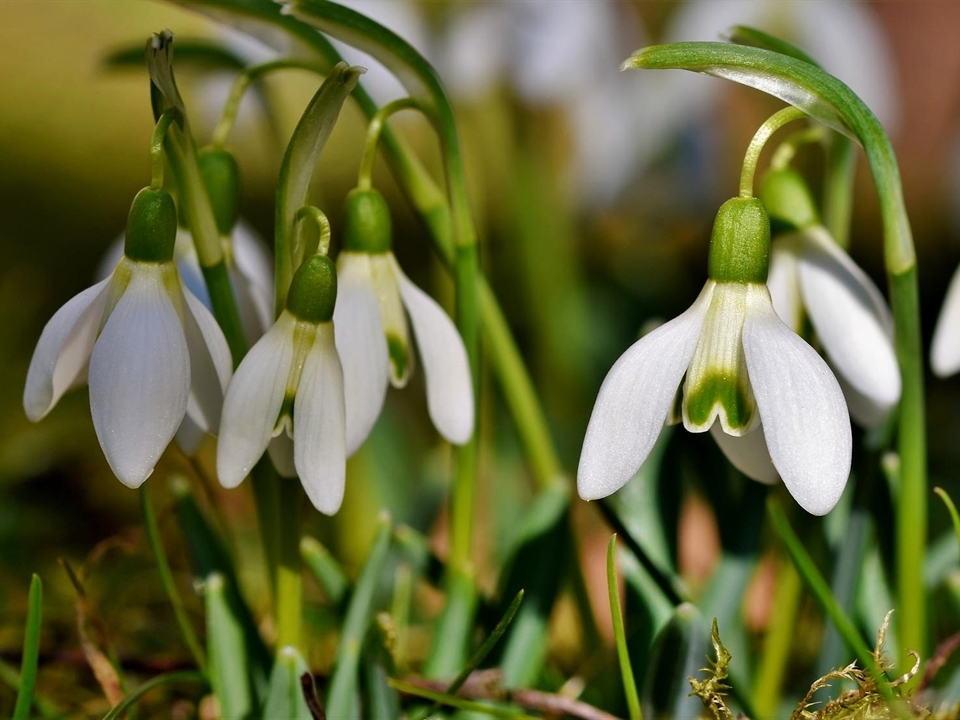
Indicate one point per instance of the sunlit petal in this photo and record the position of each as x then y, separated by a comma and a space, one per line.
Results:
801, 406
252, 405
945, 350
210, 364
445, 364
319, 429
63, 351
361, 345
747, 453
851, 320
139, 376
634, 400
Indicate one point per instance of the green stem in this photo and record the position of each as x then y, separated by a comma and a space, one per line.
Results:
290, 566
266, 497
156, 145
752, 158
374, 130
821, 591
309, 212
778, 643
838, 188
240, 86
166, 578
619, 634
787, 150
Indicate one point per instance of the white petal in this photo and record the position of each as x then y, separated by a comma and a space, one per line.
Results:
210, 364
445, 365
783, 282
60, 358
801, 407
139, 376
319, 426
361, 346
254, 261
386, 282
280, 450
634, 400
189, 436
110, 259
747, 453
851, 320
945, 350
252, 405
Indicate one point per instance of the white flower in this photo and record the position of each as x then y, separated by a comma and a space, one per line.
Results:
150, 352
746, 373
373, 338
290, 386
945, 350
808, 270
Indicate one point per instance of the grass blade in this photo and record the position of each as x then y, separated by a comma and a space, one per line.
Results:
629, 683
31, 651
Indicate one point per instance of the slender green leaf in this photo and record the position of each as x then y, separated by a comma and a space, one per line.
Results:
679, 651
192, 51
229, 665
31, 650
285, 696
745, 35
343, 684
325, 568
951, 508
626, 671
123, 706
646, 610
459, 703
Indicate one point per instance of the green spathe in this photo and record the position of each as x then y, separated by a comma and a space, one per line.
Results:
788, 200
313, 292
367, 226
221, 177
151, 227
740, 243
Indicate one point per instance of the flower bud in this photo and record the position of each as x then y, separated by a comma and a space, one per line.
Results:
313, 291
740, 243
151, 227
221, 177
788, 201
367, 225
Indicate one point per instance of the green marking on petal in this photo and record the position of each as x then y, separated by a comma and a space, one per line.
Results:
720, 395
399, 360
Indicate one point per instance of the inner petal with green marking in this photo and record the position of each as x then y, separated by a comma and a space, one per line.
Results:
717, 385
393, 317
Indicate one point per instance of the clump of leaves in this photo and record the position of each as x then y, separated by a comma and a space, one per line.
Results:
867, 701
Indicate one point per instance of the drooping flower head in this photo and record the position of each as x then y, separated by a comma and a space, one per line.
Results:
373, 336
289, 387
767, 397
148, 348
811, 275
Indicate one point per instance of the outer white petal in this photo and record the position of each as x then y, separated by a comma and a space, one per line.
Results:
945, 350
634, 400
252, 405
210, 364
110, 259
254, 261
60, 358
801, 407
319, 427
783, 282
747, 453
445, 365
361, 346
139, 376
852, 321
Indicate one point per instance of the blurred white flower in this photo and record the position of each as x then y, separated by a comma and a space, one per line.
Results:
373, 338
290, 387
945, 349
150, 352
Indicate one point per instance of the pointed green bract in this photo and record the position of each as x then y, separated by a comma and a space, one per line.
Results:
285, 696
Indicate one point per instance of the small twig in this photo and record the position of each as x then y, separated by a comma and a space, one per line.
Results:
488, 685
943, 652
310, 695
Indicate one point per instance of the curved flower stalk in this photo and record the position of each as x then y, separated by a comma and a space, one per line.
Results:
289, 387
373, 337
750, 380
810, 275
148, 348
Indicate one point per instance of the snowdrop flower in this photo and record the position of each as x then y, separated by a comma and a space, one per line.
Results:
767, 397
373, 337
148, 348
945, 350
290, 387
810, 272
